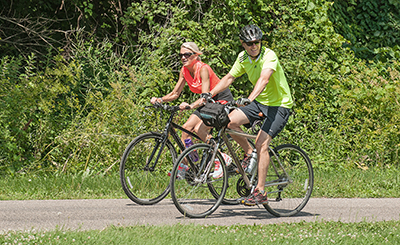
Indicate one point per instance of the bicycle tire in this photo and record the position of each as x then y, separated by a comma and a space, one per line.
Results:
289, 199
146, 186
192, 197
232, 197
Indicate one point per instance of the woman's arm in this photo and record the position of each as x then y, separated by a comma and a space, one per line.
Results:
175, 92
205, 86
205, 80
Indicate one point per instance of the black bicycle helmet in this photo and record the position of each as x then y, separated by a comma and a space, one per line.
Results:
250, 33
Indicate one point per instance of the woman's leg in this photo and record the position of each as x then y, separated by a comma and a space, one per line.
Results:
190, 125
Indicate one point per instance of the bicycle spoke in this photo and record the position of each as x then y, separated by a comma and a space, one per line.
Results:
143, 184
291, 184
193, 193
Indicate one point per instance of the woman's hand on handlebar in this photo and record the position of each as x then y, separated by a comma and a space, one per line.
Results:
154, 100
185, 106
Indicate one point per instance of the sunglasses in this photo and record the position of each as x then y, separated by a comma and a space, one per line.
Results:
186, 55
249, 44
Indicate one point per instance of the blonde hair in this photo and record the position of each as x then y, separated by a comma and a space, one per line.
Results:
193, 47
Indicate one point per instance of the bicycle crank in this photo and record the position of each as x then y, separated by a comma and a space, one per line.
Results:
241, 188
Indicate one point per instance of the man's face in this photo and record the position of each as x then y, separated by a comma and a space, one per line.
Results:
252, 48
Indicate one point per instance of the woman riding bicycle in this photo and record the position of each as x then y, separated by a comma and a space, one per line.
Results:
201, 79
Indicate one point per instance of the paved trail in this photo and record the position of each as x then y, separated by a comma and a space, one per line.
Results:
98, 214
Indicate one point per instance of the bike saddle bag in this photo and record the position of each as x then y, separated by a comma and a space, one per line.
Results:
214, 115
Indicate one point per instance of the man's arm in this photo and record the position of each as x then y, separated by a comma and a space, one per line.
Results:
223, 84
261, 83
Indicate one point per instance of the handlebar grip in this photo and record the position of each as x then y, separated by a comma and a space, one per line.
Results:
210, 100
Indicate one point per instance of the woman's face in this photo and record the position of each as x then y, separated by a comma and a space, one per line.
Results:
187, 56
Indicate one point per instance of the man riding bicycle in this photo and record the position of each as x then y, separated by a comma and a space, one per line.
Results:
270, 99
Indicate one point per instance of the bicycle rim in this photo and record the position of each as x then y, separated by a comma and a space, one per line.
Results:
289, 199
192, 193
146, 185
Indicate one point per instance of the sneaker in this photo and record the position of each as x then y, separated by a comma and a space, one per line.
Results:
218, 170
182, 169
255, 198
246, 161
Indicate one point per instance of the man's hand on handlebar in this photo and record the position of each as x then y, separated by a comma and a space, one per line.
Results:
242, 102
204, 98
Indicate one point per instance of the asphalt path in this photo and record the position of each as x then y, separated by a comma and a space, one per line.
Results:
100, 213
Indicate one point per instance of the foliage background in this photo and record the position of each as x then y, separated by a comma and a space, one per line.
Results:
75, 75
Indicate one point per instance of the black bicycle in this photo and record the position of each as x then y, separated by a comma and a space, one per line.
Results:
147, 160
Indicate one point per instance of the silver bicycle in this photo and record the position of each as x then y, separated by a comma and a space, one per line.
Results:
289, 182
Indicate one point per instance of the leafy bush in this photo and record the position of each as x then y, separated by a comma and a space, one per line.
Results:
78, 112
372, 28
36, 106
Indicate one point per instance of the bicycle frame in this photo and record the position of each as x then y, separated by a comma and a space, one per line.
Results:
169, 129
239, 166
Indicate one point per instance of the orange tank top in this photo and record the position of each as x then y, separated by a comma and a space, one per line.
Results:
195, 82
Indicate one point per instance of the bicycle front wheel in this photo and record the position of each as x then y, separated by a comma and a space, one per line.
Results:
193, 192
144, 168
296, 179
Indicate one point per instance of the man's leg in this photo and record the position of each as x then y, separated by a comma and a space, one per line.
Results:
238, 118
262, 143
273, 124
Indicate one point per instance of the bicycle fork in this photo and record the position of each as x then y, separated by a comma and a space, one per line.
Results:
206, 163
160, 144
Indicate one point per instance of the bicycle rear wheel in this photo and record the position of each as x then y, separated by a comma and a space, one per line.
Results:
288, 199
192, 193
144, 168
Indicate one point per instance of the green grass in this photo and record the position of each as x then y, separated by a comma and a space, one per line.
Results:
387, 232
371, 183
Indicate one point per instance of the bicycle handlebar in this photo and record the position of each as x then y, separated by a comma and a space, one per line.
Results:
166, 107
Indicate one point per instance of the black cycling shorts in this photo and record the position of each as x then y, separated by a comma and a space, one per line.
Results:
276, 117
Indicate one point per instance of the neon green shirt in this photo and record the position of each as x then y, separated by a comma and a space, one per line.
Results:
277, 91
